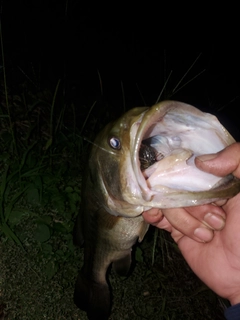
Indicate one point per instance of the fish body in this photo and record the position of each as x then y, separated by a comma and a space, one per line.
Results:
144, 159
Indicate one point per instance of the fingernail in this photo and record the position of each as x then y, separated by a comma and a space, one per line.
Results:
214, 221
203, 234
152, 212
206, 157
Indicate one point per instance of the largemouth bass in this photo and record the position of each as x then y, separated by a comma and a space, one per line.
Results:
144, 159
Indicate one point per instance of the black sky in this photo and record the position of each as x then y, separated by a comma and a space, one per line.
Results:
129, 47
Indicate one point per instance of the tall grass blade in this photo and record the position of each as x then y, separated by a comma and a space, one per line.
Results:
144, 102
3, 66
23, 161
11, 235
156, 231
2, 193
27, 77
5, 88
225, 105
100, 82
176, 89
85, 121
4, 182
10, 206
164, 86
180, 88
52, 108
32, 172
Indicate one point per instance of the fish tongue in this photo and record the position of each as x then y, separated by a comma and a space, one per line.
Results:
169, 164
178, 171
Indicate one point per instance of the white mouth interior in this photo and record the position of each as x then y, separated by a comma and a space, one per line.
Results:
176, 141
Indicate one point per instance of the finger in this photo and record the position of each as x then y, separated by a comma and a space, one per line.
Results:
209, 214
222, 163
177, 236
164, 224
185, 223
198, 218
221, 203
153, 216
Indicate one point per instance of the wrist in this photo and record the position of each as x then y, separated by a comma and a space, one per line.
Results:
235, 300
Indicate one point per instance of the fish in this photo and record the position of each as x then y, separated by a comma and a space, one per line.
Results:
142, 160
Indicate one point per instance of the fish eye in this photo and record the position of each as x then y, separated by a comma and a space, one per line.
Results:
114, 143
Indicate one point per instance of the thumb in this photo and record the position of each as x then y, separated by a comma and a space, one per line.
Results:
222, 163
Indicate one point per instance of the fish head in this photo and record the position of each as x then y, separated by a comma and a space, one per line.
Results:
146, 159
111, 167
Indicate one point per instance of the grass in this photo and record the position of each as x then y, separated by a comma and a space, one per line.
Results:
42, 159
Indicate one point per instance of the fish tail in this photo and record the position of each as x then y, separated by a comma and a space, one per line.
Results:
92, 297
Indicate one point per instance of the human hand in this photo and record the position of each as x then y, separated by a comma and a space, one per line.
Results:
198, 223
217, 263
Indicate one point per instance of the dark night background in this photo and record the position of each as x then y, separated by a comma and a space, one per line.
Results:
134, 48
119, 56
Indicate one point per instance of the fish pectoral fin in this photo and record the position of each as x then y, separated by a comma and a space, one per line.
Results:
143, 230
122, 265
92, 297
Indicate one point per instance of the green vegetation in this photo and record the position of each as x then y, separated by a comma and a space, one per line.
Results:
41, 164
40, 172
42, 159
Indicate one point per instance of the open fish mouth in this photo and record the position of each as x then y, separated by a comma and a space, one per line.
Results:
166, 139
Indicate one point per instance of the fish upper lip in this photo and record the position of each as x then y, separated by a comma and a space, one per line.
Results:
146, 120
